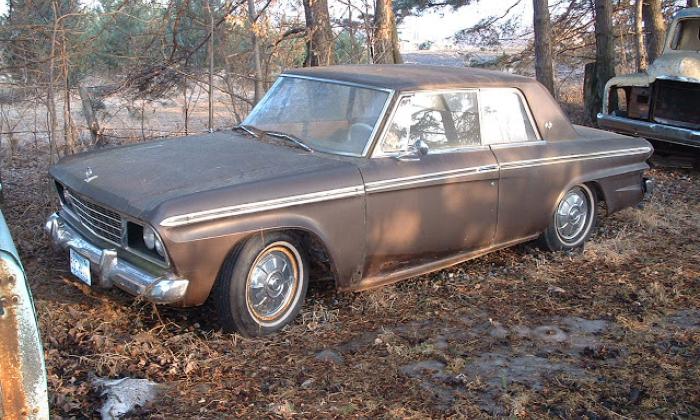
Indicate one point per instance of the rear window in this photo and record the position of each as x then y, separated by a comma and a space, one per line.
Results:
504, 118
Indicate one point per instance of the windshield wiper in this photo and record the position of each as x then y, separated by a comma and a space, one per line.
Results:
293, 139
248, 129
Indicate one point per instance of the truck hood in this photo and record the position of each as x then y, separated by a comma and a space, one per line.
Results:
684, 66
137, 179
681, 66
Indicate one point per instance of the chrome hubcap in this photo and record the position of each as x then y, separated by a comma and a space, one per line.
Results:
272, 282
572, 214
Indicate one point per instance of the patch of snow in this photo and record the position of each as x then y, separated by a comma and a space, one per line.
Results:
125, 394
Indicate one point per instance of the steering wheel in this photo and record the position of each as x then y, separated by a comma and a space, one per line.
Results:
359, 131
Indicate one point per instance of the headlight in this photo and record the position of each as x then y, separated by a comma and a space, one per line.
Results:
159, 248
144, 240
149, 238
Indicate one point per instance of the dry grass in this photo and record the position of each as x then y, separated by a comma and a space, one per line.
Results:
639, 273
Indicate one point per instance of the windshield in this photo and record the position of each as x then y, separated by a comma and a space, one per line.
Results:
687, 36
329, 117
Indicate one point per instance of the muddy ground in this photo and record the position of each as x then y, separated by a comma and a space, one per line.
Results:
609, 332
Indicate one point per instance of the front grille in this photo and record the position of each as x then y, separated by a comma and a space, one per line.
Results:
103, 222
677, 103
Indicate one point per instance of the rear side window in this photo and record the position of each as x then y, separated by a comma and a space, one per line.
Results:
504, 118
442, 120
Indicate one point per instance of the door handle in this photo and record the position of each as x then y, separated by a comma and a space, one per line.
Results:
487, 168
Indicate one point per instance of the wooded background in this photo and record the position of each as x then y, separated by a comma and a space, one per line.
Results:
75, 75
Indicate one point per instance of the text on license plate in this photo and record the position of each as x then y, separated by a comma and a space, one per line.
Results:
80, 267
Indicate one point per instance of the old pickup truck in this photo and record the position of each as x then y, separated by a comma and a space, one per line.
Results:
362, 174
662, 104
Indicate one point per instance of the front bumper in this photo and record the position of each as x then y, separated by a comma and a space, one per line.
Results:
651, 130
113, 271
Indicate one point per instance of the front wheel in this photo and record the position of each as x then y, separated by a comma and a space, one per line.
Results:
572, 222
262, 288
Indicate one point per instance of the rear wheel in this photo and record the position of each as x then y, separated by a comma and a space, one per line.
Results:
262, 287
572, 222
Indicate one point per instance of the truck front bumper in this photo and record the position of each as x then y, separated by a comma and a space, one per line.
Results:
111, 270
651, 130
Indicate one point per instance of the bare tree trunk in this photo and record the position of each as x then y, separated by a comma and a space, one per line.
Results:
143, 120
68, 137
257, 65
604, 68
386, 39
639, 35
50, 101
185, 107
605, 43
90, 118
543, 45
656, 28
369, 35
320, 50
351, 32
211, 68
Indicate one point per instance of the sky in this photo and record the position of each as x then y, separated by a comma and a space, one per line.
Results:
436, 26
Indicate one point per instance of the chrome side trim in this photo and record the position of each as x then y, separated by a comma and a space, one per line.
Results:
277, 203
377, 186
398, 183
409, 181
570, 158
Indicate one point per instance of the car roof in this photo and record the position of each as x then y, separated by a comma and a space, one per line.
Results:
412, 77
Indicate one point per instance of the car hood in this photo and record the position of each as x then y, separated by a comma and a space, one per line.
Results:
136, 179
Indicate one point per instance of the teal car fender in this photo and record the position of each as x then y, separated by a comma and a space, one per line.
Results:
23, 390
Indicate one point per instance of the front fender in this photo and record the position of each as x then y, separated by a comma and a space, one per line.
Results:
638, 80
199, 250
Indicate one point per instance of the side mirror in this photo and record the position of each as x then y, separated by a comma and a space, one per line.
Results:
415, 151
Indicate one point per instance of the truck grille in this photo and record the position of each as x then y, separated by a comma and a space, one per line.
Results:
677, 103
103, 222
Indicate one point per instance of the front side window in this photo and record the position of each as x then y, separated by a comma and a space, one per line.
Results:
329, 117
442, 120
504, 118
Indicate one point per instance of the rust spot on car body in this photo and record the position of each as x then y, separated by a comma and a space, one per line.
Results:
14, 399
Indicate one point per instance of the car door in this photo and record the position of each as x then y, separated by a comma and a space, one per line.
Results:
421, 209
528, 185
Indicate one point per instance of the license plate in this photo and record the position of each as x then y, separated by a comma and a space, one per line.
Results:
80, 267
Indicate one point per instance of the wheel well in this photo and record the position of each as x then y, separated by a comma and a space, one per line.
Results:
600, 197
321, 267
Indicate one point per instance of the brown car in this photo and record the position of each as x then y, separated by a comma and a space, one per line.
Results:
363, 174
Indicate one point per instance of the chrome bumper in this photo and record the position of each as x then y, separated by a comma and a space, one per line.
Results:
651, 130
112, 271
